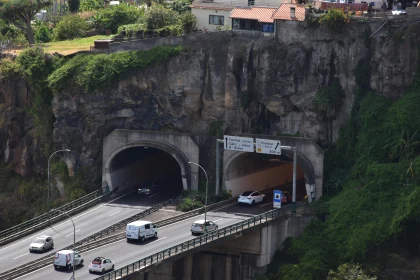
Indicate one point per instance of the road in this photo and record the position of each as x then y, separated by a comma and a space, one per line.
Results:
123, 253
87, 223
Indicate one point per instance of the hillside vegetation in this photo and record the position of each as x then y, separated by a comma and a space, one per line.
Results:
374, 173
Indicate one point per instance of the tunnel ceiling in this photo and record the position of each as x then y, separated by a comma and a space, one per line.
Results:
247, 159
133, 155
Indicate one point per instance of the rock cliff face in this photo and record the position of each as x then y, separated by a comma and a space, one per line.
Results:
242, 81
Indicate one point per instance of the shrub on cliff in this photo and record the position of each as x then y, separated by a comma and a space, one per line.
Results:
91, 72
335, 19
70, 27
114, 16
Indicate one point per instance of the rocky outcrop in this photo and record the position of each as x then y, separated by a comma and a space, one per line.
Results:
246, 82
251, 84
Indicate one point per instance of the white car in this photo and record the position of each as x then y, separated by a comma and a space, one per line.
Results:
41, 244
251, 197
399, 12
198, 226
101, 264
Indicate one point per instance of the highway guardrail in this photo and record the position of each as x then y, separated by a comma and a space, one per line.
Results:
141, 264
104, 237
46, 219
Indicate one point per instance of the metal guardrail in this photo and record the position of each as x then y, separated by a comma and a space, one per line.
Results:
104, 237
209, 237
45, 219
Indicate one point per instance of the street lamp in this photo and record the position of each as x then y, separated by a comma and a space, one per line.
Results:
48, 199
74, 238
205, 205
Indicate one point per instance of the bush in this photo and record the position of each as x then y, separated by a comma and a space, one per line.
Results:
115, 16
132, 30
349, 272
335, 19
180, 6
11, 35
93, 72
188, 22
90, 5
189, 204
70, 27
42, 33
158, 17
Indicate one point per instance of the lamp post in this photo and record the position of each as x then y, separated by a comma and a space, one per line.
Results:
48, 199
207, 184
74, 239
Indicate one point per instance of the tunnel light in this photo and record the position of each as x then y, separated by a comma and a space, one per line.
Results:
145, 147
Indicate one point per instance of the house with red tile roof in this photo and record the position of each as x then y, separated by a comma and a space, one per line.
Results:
213, 15
290, 12
253, 18
264, 19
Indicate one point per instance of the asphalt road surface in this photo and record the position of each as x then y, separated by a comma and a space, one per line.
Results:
87, 223
123, 253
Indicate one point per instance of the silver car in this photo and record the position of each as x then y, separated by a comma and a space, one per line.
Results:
41, 244
198, 226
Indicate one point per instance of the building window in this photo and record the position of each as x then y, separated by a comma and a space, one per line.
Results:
268, 27
216, 20
292, 12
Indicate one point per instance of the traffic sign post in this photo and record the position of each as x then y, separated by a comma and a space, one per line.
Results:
235, 143
277, 198
265, 146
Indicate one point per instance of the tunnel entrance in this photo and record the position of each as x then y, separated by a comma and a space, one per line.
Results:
258, 172
134, 167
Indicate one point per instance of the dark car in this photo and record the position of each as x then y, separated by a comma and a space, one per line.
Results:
149, 187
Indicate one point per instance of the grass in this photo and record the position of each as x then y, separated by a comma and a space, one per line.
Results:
65, 47
71, 46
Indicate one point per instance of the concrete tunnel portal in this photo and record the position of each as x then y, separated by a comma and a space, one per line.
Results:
164, 152
254, 171
131, 166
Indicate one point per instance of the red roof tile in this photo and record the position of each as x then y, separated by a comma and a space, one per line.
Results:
256, 13
283, 12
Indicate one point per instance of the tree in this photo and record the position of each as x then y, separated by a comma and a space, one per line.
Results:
21, 12
349, 272
158, 16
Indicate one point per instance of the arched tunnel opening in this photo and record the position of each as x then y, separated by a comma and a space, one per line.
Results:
142, 167
259, 172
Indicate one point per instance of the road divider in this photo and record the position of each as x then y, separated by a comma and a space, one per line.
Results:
42, 221
109, 235
211, 236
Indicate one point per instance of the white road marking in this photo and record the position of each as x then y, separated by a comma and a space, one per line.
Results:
72, 233
157, 240
153, 195
218, 220
195, 217
20, 256
32, 237
115, 213
266, 204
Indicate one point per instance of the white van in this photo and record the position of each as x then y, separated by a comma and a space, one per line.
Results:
140, 230
64, 258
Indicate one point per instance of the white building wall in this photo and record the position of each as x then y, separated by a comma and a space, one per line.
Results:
202, 16
269, 3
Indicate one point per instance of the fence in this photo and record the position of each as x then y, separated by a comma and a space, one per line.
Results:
43, 220
104, 236
209, 237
